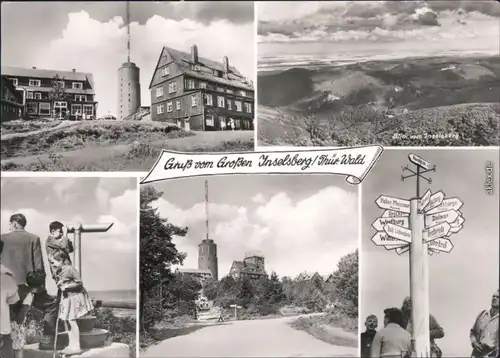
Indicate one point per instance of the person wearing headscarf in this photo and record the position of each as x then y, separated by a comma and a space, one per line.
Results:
392, 341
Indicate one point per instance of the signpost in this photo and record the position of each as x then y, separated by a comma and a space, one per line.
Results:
421, 226
236, 308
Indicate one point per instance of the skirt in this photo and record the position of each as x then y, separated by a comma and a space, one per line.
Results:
75, 305
18, 335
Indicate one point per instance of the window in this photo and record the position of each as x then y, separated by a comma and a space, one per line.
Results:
35, 83
243, 93
61, 83
194, 101
15, 81
170, 107
209, 120
29, 95
80, 98
190, 84
159, 109
203, 85
159, 92
220, 89
172, 87
197, 67
178, 105
77, 85
32, 108
237, 105
44, 109
248, 108
229, 105
61, 104
76, 109
221, 102
165, 72
38, 95
229, 90
209, 100
88, 109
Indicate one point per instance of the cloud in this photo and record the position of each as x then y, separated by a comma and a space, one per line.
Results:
295, 235
101, 48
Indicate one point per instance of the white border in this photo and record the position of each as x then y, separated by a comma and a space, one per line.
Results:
256, 75
360, 261
138, 271
50, 174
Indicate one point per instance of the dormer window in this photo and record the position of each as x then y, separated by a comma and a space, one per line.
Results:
197, 68
77, 85
243, 93
14, 81
35, 83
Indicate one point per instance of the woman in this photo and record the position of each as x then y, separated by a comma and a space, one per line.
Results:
393, 340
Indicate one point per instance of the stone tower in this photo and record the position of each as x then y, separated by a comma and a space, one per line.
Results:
129, 86
255, 258
207, 249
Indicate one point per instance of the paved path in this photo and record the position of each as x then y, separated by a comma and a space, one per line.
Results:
255, 338
96, 153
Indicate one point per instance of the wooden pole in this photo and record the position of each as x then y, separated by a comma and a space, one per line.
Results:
78, 248
419, 316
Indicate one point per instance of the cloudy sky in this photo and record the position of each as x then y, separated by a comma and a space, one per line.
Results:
461, 282
405, 27
91, 37
108, 259
299, 223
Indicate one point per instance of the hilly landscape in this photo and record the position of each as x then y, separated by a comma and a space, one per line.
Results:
441, 101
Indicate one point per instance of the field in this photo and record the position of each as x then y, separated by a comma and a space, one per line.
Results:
417, 102
105, 145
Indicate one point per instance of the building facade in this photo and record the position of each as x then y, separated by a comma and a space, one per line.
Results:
252, 266
200, 94
12, 101
207, 257
54, 94
129, 90
199, 275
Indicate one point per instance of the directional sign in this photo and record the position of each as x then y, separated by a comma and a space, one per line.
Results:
396, 204
455, 229
424, 201
435, 200
393, 214
443, 245
382, 239
394, 247
402, 250
448, 216
398, 232
403, 221
444, 205
436, 231
460, 220
422, 163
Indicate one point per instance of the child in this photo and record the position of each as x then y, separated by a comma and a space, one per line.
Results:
35, 281
58, 241
75, 301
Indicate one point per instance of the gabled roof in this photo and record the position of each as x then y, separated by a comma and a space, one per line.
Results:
10, 86
307, 276
206, 67
41, 73
250, 268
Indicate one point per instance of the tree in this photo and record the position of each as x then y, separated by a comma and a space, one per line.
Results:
346, 283
210, 289
246, 292
157, 251
57, 92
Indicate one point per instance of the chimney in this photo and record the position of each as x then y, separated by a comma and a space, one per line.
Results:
34, 67
74, 70
194, 54
225, 60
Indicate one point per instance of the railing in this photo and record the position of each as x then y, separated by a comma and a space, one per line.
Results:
115, 304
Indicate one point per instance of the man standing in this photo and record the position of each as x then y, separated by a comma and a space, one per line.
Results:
436, 331
22, 254
484, 332
392, 341
367, 336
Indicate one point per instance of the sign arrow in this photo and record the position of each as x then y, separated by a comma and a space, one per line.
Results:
448, 216
382, 239
424, 201
402, 221
459, 222
444, 205
398, 232
393, 214
396, 204
436, 232
402, 250
443, 245
394, 247
454, 230
422, 163
435, 200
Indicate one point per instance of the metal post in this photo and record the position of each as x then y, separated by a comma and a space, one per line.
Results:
78, 248
417, 283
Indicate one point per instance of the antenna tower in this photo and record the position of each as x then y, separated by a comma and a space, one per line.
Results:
206, 205
128, 31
